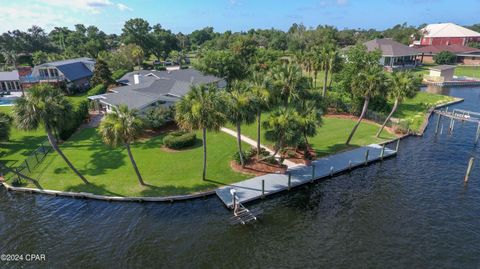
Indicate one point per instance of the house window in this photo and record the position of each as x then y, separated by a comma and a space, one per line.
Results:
53, 72
17, 84
43, 73
387, 61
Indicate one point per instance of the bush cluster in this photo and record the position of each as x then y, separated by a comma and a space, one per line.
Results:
99, 89
179, 140
160, 68
119, 74
75, 118
249, 154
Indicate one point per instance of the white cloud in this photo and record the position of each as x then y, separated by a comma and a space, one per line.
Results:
124, 7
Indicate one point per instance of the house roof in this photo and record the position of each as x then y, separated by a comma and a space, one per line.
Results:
154, 86
447, 30
390, 47
442, 67
434, 49
72, 69
9, 76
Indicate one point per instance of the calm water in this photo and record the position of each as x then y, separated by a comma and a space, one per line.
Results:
412, 211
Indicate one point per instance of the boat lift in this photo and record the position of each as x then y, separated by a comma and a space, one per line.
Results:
460, 115
241, 215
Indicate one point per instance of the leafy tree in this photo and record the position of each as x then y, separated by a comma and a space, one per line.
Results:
240, 110
199, 37
201, 109
283, 127
122, 127
224, 64
445, 57
44, 106
39, 57
5, 125
401, 85
136, 31
367, 84
120, 59
101, 74
137, 55
162, 42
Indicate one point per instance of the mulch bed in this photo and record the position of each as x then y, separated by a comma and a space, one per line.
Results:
297, 156
258, 168
150, 133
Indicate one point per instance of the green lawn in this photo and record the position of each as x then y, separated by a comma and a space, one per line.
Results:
111, 173
413, 110
331, 136
77, 98
20, 144
469, 71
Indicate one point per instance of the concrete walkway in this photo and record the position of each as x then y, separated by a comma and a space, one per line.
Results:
253, 143
251, 189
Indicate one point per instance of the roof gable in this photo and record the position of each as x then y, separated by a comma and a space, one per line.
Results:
448, 30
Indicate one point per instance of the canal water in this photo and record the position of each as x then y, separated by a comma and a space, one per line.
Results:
412, 211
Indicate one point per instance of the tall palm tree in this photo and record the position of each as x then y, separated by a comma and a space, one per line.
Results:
201, 109
401, 85
240, 110
122, 127
317, 63
368, 83
44, 105
328, 54
261, 86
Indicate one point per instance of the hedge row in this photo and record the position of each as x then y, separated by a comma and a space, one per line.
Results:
179, 140
75, 118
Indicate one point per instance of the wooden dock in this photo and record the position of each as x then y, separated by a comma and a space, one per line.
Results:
262, 186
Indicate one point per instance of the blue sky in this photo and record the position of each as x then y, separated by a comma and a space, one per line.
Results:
188, 15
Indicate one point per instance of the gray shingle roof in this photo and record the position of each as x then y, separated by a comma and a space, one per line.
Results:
390, 47
9, 76
167, 86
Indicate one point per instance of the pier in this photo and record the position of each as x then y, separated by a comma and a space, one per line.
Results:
459, 115
262, 186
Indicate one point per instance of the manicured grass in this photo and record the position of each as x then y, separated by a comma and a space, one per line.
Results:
469, 71
77, 98
111, 173
20, 144
413, 110
331, 137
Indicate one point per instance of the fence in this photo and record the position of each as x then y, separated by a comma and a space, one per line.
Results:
29, 164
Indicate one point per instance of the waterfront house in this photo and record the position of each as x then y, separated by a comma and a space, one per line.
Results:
144, 89
72, 73
465, 55
447, 34
10, 81
394, 54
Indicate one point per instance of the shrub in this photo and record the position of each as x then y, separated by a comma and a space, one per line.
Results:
75, 118
236, 157
160, 68
445, 57
119, 74
99, 89
179, 140
146, 66
156, 117
271, 160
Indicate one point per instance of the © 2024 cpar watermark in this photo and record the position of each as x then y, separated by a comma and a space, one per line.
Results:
28, 257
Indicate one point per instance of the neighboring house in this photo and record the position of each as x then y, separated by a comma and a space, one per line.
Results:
465, 55
447, 34
150, 88
70, 73
394, 55
10, 81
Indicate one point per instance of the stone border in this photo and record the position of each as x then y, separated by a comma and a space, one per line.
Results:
176, 198
83, 195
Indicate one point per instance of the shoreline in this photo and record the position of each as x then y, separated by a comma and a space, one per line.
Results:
186, 197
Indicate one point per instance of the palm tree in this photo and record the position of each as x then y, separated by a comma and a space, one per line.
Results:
5, 125
290, 81
44, 105
201, 109
283, 127
122, 127
368, 83
328, 54
240, 110
317, 63
262, 99
401, 85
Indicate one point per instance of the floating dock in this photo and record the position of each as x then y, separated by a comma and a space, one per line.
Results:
262, 186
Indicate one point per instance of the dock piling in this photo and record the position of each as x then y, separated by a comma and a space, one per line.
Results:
331, 171
438, 123
366, 157
263, 188
289, 181
350, 165
469, 169
478, 134
398, 145
313, 173
382, 152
